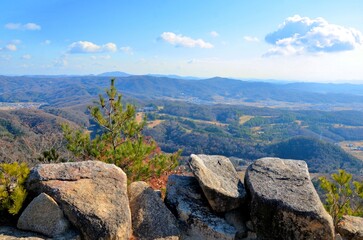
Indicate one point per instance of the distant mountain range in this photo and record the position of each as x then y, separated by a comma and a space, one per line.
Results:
123, 74
56, 89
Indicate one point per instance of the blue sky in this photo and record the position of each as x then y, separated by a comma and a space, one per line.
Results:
284, 40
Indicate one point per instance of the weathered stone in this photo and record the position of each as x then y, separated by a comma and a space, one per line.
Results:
284, 203
249, 225
219, 181
151, 219
186, 200
351, 228
237, 219
44, 216
92, 194
10, 233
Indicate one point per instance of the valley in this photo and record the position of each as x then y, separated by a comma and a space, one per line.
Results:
239, 119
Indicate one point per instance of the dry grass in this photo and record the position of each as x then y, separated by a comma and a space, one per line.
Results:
7, 108
356, 153
244, 119
152, 124
139, 117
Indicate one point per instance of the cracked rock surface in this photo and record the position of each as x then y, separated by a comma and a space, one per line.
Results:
284, 203
92, 195
219, 180
151, 219
185, 199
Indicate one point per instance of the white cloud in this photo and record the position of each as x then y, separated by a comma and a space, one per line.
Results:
104, 57
251, 39
46, 42
184, 41
20, 26
31, 26
214, 34
26, 57
11, 47
298, 35
61, 62
127, 50
15, 41
89, 47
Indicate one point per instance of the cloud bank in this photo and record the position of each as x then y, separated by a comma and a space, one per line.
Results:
184, 41
89, 47
298, 35
20, 26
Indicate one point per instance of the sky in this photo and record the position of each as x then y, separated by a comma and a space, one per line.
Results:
319, 41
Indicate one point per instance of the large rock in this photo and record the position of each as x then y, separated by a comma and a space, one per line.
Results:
219, 181
151, 219
237, 219
43, 215
92, 194
351, 228
185, 198
284, 203
10, 233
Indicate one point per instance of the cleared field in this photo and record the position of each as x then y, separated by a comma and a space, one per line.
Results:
200, 121
206, 122
139, 116
152, 124
244, 119
351, 147
345, 126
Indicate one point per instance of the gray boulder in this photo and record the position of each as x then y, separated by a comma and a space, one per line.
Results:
10, 233
237, 219
185, 199
44, 216
151, 219
219, 181
92, 194
284, 203
350, 228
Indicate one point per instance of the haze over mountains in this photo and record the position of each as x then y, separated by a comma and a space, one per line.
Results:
57, 89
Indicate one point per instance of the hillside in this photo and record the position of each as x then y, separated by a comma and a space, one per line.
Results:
25, 134
320, 156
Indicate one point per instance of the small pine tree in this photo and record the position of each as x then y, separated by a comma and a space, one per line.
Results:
51, 156
342, 196
12, 191
120, 141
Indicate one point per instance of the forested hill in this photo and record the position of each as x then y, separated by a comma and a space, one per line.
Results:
320, 156
63, 89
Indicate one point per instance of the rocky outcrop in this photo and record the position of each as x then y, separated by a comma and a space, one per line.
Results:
284, 203
92, 195
10, 233
351, 228
219, 181
280, 203
185, 198
44, 216
151, 219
